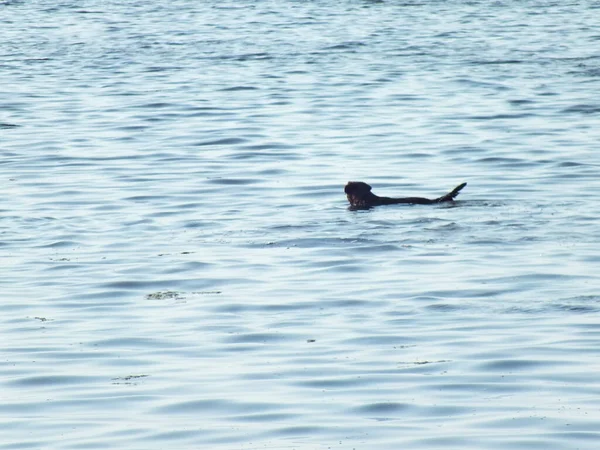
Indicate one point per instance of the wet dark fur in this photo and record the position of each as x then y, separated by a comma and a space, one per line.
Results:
360, 196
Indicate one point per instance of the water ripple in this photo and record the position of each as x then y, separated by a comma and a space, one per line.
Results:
180, 266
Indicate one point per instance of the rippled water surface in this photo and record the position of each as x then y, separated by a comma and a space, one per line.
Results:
179, 265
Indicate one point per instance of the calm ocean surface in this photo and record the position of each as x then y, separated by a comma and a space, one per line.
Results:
180, 269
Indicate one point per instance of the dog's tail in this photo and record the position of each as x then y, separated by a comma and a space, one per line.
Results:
450, 195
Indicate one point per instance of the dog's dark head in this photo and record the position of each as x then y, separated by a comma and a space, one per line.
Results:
358, 194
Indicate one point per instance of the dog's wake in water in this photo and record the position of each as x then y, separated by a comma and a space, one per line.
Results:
360, 196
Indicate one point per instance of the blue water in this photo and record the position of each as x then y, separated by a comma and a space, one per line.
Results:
180, 268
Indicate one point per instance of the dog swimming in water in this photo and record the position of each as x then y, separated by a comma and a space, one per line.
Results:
360, 196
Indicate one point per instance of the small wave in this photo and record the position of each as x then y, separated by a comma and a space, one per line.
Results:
224, 141
239, 88
234, 181
384, 408
346, 45
521, 101
497, 61
502, 116
582, 109
156, 105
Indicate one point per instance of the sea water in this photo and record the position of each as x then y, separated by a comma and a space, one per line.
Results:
180, 268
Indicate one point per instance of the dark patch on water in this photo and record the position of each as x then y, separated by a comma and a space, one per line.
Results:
233, 182
224, 141
582, 109
497, 62
384, 408
240, 88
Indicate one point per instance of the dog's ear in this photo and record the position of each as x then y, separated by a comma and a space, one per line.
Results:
362, 186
